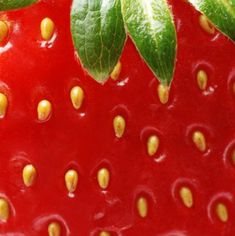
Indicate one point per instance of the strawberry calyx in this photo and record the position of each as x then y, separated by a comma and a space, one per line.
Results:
15, 4
220, 12
99, 30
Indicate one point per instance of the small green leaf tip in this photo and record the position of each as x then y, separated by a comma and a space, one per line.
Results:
99, 35
221, 13
151, 27
15, 4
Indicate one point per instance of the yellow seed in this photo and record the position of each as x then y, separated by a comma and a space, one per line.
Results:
152, 145
202, 79
3, 105
103, 177
163, 93
104, 233
186, 196
233, 157
47, 28
54, 229
29, 175
77, 97
71, 180
199, 141
116, 71
206, 25
3, 30
119, 125
4, 210
44, 110
222, 212
142, 207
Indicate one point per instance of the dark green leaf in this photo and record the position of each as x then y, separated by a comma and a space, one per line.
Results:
99, 35
14, 4
220, 12
150, 25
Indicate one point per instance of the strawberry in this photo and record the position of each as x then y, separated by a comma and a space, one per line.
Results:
117, 139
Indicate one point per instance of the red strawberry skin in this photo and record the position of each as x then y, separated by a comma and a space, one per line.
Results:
84, 140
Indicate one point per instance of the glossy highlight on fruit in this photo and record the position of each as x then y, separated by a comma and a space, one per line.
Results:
131, 156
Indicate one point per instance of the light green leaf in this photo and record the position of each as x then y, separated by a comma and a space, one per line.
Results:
14, 4
220, 12
150, 25
99, 35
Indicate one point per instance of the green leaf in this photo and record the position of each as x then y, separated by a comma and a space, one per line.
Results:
14, 4
150, 25
220, 12
99, 35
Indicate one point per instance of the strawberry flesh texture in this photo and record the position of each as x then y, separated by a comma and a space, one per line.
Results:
84, 140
